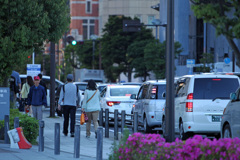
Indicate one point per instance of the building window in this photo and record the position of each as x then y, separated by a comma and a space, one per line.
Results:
150, 19
92, 30
88, 28
85, 32
88, 7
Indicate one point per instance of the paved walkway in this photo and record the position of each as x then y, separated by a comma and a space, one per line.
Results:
87, 146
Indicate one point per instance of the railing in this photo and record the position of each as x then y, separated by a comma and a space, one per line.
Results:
133, 121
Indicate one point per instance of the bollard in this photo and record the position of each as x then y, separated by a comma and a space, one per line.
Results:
41, 138
123, 116
6, 129
107, 123
99, 143
57, 139
101, 117
16, 122
77, 141
115, 124
135, 123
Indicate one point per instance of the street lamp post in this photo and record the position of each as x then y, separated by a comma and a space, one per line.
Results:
93, 38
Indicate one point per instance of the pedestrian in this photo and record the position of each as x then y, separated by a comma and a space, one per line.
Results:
42, 83
70, 99
24, 93
91, 105
15, 85
37, 98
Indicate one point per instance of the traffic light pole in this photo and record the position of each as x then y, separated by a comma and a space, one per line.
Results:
170, 113
52, 80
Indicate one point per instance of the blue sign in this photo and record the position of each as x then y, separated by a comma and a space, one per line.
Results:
4, 102
227, 60
190, 63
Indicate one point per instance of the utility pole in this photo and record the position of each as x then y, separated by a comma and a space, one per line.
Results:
52, 80
170, 113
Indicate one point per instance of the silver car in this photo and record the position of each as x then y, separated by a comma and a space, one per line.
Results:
230, 124
150, 103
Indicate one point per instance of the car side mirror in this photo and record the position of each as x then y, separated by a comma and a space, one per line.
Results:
163, 94
233, 96
133, 96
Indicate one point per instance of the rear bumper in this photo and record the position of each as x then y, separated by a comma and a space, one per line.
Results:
201, 128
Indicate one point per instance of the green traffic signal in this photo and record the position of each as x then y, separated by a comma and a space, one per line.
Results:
74, 42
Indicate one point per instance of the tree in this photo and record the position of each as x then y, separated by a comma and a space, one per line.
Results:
24, 26
135, 55
224, 15
114, 44
155, 57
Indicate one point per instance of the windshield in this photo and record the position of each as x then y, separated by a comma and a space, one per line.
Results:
211, 88
123, 91
82, 87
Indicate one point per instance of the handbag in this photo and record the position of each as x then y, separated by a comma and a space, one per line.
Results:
82, 119
85, 117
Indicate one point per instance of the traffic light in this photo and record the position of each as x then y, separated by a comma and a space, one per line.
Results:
70, 39
74, 42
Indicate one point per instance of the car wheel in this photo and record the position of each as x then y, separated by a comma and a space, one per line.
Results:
227, 132
164, 128
182, 135
147, 129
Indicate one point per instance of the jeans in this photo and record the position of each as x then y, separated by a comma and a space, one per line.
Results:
92, 116
37, 112
66, 111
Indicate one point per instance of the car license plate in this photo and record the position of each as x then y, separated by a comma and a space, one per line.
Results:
216, 118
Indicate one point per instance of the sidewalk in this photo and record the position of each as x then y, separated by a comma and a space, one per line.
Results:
87, 146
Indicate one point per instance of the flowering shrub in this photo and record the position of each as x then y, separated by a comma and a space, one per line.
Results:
153, 147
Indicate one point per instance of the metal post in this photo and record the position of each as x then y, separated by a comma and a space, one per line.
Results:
41, 138
77, 141
107, 123
6, 129
115, 124
233, 62
135, 123
52, 80
123, 116
33, 57
93, 54
101, 117
16, 122
57, 139
170, 133
99, 143
156, 32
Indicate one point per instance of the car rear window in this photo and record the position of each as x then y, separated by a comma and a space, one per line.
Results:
157, 91
82, 87
211, 88
123, 91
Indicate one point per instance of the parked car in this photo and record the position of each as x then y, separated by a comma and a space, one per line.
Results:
118, 97
81, 87
46, 79
230, 124
132, 83
101, 86
199, 103
149, 104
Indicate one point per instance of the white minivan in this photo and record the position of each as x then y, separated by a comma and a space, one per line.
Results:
199, 103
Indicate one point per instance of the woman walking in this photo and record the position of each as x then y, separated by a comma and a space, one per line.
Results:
25, 90
91, 105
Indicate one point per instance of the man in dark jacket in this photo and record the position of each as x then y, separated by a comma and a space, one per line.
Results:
37, 98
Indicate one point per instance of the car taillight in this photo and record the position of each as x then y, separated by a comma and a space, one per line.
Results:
189, 105
133, 105
111, 103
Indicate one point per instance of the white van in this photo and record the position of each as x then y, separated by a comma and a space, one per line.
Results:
46, 79
199, 103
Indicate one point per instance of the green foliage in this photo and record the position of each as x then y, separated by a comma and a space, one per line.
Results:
114, 46
24, 26
28, 124
155, 57
115, 146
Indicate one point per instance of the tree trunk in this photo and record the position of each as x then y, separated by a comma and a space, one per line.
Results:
235, 49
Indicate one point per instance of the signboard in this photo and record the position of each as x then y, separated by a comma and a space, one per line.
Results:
227, 60
131, 25
33, 69
4, 102
190, 63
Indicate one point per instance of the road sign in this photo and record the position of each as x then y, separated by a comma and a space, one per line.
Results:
131, 25
4, 102
190, 63
227, 60
33, 69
